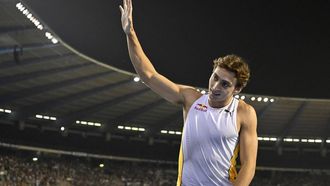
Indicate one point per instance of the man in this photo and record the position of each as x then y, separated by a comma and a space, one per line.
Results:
217, 125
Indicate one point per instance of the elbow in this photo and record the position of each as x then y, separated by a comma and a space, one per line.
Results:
253, 172
251, 169
248, 170
147, 77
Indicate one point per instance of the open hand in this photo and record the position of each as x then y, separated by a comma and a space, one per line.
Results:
126, 16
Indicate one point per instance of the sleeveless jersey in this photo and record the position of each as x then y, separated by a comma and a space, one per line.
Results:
209, 146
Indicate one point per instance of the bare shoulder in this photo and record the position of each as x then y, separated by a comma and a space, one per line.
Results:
247, 114
245, 108
190, 95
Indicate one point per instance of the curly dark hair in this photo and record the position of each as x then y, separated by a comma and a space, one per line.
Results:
236, 65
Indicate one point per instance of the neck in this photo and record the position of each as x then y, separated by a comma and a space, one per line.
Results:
220, 104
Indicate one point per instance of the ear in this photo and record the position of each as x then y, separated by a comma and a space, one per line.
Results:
237, 90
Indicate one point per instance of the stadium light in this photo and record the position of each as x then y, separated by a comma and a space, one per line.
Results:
48, 35
291, 140
8, 111
88, 123
54, 40
29, 15
260, 99
132, 128
135, 128
288, 139
318, 141
40, 27
171, 132
267, 138
242, 97
136, 79
35, 21
311, 140
39, 116
34, 159
25, 12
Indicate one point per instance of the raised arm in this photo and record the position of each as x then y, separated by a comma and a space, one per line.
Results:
161, 85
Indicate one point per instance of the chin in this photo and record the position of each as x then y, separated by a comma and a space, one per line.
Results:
216, 99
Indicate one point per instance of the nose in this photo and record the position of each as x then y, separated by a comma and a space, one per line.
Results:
216, 86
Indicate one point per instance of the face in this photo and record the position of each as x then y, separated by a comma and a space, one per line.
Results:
222, 86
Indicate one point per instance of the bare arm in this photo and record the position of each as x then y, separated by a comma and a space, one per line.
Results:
248, 146
161, 85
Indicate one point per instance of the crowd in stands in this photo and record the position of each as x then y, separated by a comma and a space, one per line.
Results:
18, 169
289, 178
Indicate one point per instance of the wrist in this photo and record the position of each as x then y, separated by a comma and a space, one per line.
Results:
131, 32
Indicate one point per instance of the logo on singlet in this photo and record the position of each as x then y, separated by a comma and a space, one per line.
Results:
201, 107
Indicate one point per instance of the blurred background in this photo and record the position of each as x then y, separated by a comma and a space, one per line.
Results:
73, 112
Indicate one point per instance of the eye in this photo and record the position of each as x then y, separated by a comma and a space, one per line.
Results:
215, 78
225, 84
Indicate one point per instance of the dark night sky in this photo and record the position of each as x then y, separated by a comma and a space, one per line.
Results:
286, 43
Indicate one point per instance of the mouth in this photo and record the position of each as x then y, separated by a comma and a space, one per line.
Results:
216, 94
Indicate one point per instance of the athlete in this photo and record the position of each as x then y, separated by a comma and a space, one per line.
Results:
217, 126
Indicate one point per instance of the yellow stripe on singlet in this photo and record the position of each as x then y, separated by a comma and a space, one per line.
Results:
232, 170
180, 166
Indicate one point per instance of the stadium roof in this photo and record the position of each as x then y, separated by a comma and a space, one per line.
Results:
286, 43
47, 84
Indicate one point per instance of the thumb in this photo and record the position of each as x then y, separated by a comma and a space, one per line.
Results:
121, 9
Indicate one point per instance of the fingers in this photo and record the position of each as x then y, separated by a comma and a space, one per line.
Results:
126, 8
129, 2
125, 3
130, 7
121, 9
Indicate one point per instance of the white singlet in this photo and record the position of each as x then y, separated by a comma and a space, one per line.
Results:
209, 145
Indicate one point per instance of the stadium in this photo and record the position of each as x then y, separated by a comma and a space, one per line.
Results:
70, 119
